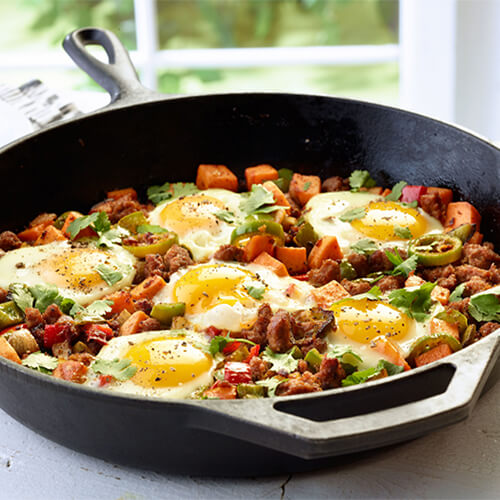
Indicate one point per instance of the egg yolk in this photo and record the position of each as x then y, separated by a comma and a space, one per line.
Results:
362, 320
208, 286
382, 216
191, 213
74, 268
167, 362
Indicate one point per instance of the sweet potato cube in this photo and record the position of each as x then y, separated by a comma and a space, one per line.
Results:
264, 259
327, 294
216, 176
260, 174
304, 187
325, 248
438, 352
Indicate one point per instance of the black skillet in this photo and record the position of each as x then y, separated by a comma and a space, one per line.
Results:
144, 138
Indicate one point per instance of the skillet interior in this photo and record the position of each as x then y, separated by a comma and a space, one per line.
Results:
72, 165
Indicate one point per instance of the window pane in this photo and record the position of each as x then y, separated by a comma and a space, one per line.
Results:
275, 23
377, 82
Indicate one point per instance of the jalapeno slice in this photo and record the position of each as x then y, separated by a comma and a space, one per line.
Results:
165, 313
463, 232
427, 342
436, 249
131, 221
156, 243
243, 233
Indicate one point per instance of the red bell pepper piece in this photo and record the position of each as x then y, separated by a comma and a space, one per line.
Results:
53, 334
105, 380
412, 193
237, 373
254, 351
231, 347
301, 277
212, 331
99, 333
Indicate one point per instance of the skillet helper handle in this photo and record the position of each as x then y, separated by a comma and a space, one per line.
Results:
268, 422
118, 76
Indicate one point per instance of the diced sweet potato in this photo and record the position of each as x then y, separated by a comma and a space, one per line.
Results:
439, 326
148, 288
50, 234
8, 352
216, 176
32, 233
325, 248
279, 196
120, 193
327, 294
304, 187
438, 352
390, 351
121, 301
258, 244
295, 259
461, 212
260, 174
441, 294
376, 190
221, 390
264, 259
132, 324
413, 280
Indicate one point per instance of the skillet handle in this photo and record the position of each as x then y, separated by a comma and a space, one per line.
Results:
274, 423
118, 76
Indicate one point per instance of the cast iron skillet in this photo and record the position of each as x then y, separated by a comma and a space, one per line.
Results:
144, 138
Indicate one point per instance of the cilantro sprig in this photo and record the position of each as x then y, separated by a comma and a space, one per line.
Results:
226, 216
362, 376
285, 362
415, 303
120, 369
259, 201
485, 307
353, 214
271, 384
257, 292
401, 266
167, 191
396, 192
364, 246
361, 178
108, 274
219, 342
41, 362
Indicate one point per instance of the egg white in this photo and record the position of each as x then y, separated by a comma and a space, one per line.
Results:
193, 219
323, 211
231, 307
169, 350
71, 268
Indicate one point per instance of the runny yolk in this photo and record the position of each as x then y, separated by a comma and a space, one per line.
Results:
167, 362
362, 320
74, 268
382, 216
185, 215
208, 286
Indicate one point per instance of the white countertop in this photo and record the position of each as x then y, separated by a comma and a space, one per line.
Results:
461, 461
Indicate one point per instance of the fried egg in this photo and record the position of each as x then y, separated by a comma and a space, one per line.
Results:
324, 210
228, 295
170, 364
194, 220
360, 322
72, 269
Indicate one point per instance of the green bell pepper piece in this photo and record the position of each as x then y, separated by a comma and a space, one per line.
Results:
306, 236
165, 313
314, 358
251, 391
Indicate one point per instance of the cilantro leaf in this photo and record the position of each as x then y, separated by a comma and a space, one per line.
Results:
353, 214
271, 384
109, 275
456, 295
257, 292
345, 354
218, 343
158, 194
41, 362
92, 313
485, 307
108, 238
257, 199
361, 178
363, 375
184, 189
364, 246
415, 303
401, 267
397, 191
21, 295
44, 296
226, 216
402, 232
120, 369
373, 294
306, 186
281, 362
98, 221
149, 228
